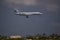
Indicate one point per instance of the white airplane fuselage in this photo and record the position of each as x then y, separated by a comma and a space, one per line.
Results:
28, 13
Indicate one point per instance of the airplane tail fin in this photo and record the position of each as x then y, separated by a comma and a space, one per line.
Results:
16, 10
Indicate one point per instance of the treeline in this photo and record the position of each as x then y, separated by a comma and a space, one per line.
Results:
44, 37
33, 37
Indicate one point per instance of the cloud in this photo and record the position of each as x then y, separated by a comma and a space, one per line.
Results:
49, 5
30, 2
21, 2
55, 24
52, 7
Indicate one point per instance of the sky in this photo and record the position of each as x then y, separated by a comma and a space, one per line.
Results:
11, 24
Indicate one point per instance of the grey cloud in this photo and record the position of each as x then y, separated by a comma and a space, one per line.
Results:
52, 7
22, 2
49, 5
55, 24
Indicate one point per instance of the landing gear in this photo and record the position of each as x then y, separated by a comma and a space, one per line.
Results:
27, 16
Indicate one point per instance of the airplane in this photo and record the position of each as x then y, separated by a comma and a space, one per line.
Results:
27, 14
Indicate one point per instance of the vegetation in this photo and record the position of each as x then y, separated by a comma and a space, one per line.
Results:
35, 37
